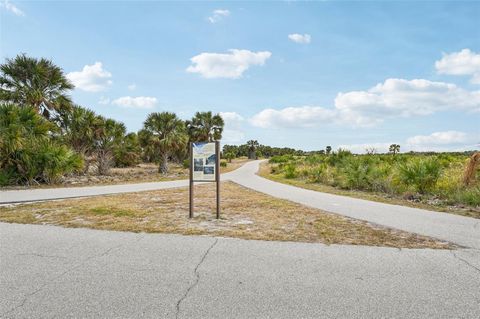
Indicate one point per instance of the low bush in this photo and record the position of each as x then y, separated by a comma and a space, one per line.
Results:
420, 174
290, 170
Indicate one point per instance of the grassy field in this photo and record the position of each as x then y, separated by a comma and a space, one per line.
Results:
245, 214
428, 182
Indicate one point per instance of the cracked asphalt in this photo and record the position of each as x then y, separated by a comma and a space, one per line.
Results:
54, 272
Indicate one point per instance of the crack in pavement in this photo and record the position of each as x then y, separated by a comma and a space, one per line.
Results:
465, 262
28, 295
197, 278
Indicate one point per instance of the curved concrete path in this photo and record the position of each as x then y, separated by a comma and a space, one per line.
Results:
458, 229
461, 230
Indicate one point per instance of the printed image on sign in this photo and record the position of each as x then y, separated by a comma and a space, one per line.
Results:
204, 160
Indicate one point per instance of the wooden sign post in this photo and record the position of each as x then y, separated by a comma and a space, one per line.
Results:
205, 167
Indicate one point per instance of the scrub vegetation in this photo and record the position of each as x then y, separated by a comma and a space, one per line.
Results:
435, 180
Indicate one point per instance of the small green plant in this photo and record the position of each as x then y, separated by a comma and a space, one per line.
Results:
290, 170
223, 164
420, 174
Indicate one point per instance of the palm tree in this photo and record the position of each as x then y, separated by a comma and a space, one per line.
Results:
107, 137
394, 149
252, 147
19, 127
328, 150
205, 127
79, 128
167, 134
34, 82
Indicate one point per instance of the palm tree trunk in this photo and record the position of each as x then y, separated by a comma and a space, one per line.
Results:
163, 168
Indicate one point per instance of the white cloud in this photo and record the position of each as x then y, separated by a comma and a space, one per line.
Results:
439, 138
304, 116
392, 99
404, 98
233, 131
132, 87
300, 38
464, 62
92, 78
140, 102
218, 15
12, 8
226, 65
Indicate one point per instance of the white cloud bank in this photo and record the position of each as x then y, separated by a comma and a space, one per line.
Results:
392, 99
92, 78
230, 65
293, 117
140, 102
300, 38
464, 62
218, 15
440, 138
12, 8
233, 132
435, 142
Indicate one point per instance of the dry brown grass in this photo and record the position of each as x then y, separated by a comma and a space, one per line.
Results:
245, 214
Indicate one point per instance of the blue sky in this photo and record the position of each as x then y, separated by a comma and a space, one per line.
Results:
298, 74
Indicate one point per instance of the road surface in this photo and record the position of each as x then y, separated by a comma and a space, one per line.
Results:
54, 272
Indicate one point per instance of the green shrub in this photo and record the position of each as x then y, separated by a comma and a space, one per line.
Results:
223, 164
420, 174
469, 196
281, 159
356, 173
290, 170
28, 154
317, 174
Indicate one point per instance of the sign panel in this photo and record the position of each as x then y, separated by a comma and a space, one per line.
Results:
204, 159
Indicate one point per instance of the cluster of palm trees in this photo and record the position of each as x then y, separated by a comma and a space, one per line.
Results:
44, 135
165, 136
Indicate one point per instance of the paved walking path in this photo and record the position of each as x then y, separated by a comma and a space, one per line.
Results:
54, 272
458, 229
461, 230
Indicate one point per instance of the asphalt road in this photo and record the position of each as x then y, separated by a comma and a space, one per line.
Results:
53, 272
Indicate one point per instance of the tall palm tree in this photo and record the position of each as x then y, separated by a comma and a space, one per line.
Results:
252, 148
394, 149
79, 128
34, 82
205, 127
167, 133
328, 150
108, 136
